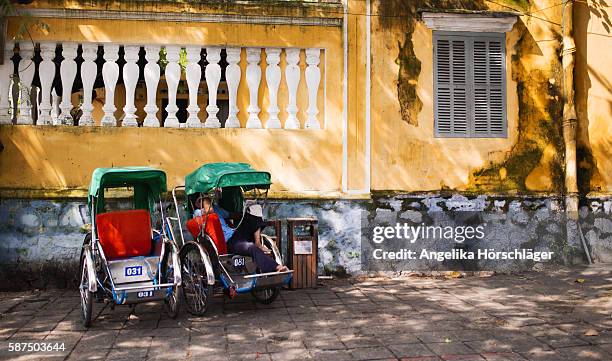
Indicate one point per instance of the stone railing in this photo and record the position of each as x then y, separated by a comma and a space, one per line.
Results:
78, 67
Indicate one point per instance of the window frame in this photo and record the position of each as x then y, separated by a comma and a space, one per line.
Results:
469, 38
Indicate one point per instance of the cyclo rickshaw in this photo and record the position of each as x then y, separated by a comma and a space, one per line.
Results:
234, 187
123, 259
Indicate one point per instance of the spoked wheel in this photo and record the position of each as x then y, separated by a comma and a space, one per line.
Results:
173, 297
86, 294
196, 290
266, 295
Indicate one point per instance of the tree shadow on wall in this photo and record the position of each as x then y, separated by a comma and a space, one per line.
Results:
583, 15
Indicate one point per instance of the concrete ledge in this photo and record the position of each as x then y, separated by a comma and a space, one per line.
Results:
183, 17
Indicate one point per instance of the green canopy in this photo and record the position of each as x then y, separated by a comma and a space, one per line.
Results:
148, 184
221, 175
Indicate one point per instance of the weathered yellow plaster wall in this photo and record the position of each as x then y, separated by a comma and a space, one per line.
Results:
593, 33
356, 95
301, 161
57, 158
407, 156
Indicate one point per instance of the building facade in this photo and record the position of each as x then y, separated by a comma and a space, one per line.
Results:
365, 112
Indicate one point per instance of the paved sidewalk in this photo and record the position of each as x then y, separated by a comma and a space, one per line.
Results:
536, 316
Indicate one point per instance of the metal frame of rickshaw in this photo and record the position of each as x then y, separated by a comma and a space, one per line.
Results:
204, 254
93, 246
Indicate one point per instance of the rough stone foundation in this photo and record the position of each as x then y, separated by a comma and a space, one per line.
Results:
40, 240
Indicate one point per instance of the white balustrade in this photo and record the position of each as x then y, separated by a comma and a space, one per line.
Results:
89, 71
130, 78
292, 76
193, 73
232, 77
151, 74
213, 76
110, 74
253, 75
6, 73
56, 109
313, 79
55, 102
173, 76
25, 71
68, 71
273, 77
46, 72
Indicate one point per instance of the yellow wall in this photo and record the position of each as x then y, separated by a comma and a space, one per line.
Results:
405, 154
302, 161
593, 32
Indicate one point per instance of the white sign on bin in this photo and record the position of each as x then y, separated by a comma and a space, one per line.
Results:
302, 247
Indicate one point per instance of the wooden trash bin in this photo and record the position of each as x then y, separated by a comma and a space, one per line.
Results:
302, 247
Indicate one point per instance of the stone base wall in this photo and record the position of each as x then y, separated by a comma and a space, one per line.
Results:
40, 240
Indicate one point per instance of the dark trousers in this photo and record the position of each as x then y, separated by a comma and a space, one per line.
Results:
264, 262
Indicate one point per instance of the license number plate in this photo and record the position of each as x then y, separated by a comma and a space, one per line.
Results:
145, 294
239, 261
133, 271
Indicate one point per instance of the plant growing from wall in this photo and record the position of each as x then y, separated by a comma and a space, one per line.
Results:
26, 21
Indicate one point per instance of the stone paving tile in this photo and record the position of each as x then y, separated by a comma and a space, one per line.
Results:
372, 353
398, 339
324, 343
450, 348
539, 316
411, 350
291, 354
359, 341
127, 354
332, 355
461, 357
502, 356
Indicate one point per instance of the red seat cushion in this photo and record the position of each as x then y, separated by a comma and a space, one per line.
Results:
213, 229
124, 233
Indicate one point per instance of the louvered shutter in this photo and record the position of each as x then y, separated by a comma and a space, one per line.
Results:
451, 76
489, 110
469, 85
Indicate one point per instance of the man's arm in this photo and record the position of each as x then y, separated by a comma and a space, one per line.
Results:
257, 237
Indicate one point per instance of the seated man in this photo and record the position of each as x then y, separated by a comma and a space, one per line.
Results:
246, 239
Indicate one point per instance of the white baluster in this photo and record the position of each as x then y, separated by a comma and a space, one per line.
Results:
193, 74
68, 70
273, 77
253, 75
313, 79
173, 76
26, 70
292, 76
89, 70
151, 74
110, 74
55, 110
6, 73
130, 78
213, 76
46, 73
232, 77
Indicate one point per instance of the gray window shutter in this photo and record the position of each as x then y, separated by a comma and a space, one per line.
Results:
489, 110
451, 76
469, 85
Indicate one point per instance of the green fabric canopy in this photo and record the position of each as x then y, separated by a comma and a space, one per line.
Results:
148, 184
221, 175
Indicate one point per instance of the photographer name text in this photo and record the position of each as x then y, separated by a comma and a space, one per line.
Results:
460, 254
